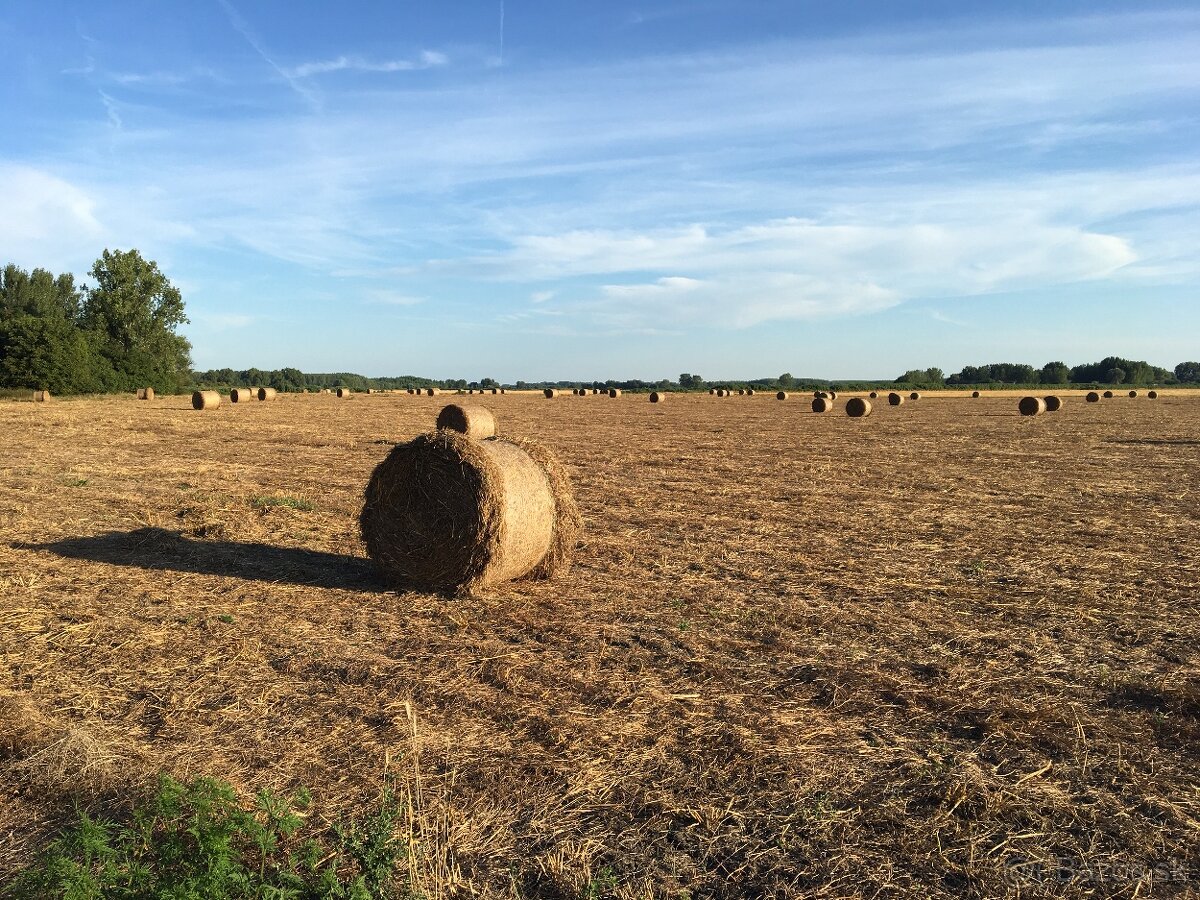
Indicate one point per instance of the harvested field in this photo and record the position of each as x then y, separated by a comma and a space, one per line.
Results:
943, 651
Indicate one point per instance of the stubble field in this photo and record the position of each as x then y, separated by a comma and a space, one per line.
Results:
943, 651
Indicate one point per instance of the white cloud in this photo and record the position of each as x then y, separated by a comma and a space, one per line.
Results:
392, 298
426, 60
46, 219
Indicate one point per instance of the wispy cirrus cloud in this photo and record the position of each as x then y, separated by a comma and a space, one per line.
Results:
428, 59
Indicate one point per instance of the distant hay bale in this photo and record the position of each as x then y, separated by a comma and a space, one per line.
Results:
266, 393
495, 390
550, 393
874, 395
450, 514
430, 392
470, 419
146, 393
781, 395
1153, 395
712, 391
243, 395
1092, 397
1032, 406
974, 395
1132, 394
914, 396
597, 391
614, 392
504, 390
749, 392
658, 396
1108, 395
833, 395
858, 408
41, 396
342, 392
895, 399
205, 400
1053, 403
821, 404
818, 393
741, 392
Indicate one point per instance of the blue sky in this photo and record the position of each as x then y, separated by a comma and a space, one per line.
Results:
624, 189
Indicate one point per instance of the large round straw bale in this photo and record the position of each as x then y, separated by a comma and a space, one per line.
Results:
495, 390
895, 399
205, 400
821, 404
614, 392
857, 407
550, 393
430, 392
914, 396
1032, 406
146, 393
749, 392
504, 390
1092, 397
266, 393
41, 396
343, 392
874, 395
451, 514
781, 395
974, 395
1153, 395
1108, 395
241, 395
833, 395
1053, 403
658, 396
470, 419
1132, 394
712, 391
741, 392
818, 393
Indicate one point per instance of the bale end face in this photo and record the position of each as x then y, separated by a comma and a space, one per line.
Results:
550, 393
895, 399
1108, 395
1053, 403
974, 395
1031, 406
858, 408
914, 396
1153, 395
450, 514
782, 395
1092, 397
1132, 394
657, 396
470, 419
822, 404
874, 395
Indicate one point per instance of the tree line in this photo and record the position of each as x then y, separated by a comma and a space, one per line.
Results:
115, 336
122, 334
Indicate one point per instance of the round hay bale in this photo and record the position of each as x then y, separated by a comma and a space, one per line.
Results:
741, 392
895, 399
550, 393
874, 395
974, 395
749, 392
242, 395
614, 392
858, 408
914, 396
504, 390
430, 392
781, 395
1132, 394
265, 393
450, 514
495, 390
658, 396
821, 404
1153, 395
1092, 397
1032, 406
205, 400
41, 396
1108, 395
712, 392
146, 393
342, 392
1053, 403
818, 393
833, 395
470, 419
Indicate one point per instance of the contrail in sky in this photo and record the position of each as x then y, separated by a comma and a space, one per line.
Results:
501, 32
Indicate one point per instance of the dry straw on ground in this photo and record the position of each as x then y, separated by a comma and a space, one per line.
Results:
470, 419
206, 400
858, 408
1031, 406
447, 513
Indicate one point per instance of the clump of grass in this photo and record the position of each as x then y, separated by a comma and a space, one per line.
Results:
196, 840
270, 501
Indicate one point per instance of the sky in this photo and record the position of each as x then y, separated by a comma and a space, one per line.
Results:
568, 190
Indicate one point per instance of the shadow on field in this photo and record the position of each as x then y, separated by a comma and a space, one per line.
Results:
161, 550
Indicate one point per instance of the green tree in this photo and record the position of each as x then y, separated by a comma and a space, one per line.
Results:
1188, 372
1115, 376
1055, 373
786, 380
134, 311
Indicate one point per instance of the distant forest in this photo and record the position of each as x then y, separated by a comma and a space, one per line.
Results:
122, 334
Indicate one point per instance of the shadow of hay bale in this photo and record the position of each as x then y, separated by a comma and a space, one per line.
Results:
158, 549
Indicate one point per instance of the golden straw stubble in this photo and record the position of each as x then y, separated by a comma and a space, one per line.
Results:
450, 514
470, 419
